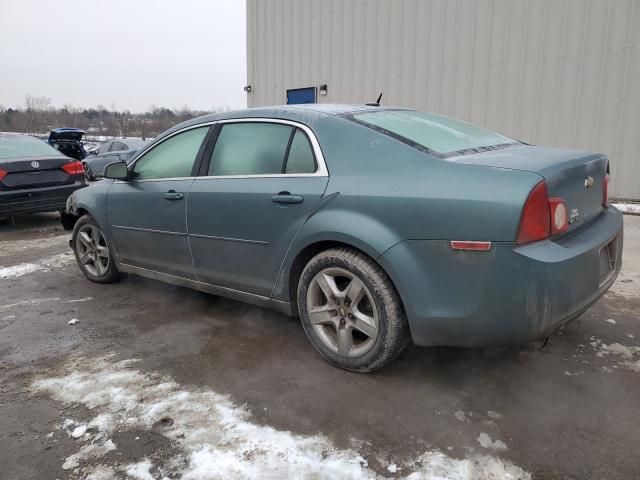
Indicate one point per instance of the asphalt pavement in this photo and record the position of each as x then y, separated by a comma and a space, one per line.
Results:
155, 381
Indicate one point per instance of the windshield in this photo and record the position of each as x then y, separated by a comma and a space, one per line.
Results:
435, 133
25, 146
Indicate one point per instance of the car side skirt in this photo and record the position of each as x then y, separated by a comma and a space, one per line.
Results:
252, 298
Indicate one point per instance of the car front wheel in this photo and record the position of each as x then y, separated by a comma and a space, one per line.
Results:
92, 251
351, 311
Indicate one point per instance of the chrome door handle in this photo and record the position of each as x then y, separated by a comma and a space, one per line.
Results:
173, 195
286, 197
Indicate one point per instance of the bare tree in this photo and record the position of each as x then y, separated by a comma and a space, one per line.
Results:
36, 107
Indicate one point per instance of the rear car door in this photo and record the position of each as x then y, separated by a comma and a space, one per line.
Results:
261, 180
147, 213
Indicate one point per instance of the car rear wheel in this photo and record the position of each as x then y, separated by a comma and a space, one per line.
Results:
92, 251
351, 311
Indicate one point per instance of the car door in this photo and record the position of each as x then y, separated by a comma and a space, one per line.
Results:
147, 213
261, 181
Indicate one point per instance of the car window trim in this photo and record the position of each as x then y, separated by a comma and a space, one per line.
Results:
285, 160
196, 163
321, 166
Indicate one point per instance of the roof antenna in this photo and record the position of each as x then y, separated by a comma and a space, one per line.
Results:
377, 103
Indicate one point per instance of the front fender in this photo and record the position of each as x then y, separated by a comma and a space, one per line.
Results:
92, 200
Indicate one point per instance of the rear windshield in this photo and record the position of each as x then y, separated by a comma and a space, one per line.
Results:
437, 134
24, 146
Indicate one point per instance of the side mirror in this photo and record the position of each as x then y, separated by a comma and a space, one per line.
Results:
116, 171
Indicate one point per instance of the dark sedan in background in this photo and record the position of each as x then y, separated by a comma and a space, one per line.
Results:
35, 177
120, 149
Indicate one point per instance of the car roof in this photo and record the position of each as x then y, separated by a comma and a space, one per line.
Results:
304, 113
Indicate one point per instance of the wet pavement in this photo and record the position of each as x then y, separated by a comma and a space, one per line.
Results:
568, 410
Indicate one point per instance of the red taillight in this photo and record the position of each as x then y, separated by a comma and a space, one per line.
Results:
559, 215
535, 223
73, 168
3, 173
605, 190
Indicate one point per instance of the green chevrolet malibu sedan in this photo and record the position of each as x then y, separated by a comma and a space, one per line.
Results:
377, 226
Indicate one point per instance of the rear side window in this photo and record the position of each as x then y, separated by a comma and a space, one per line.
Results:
435, 133
248, 148
300, 158
173, 158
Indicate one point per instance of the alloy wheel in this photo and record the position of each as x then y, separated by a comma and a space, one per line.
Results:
342, 312
92, 249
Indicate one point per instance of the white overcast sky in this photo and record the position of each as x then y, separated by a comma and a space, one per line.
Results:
129, 54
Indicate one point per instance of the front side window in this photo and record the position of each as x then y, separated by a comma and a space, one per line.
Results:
117, 147
248, 148
436, 133
173, 158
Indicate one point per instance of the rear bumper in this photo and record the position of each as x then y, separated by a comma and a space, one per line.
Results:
509, 295
46, 199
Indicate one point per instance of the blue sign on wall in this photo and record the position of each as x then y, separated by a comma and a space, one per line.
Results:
301, 95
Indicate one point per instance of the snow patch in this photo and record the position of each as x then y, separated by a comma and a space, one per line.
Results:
141, 470
611, 321
79, 431
73, 321
46, 264
633, 208
627, 357
460, 415
217, 438
102, 472
485, 441
494, 415
85, 299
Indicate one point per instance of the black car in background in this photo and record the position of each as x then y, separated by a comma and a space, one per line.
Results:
68, 141
36, 177
120, 149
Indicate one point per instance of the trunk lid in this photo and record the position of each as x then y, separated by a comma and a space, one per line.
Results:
68, 134
575, 176
34, 172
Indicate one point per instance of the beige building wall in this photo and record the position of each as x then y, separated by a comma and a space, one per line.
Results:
554, 72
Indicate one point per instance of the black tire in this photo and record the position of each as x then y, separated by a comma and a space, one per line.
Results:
68, 220
393, 334
110, 273
88, 173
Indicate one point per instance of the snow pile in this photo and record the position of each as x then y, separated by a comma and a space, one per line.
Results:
45, 264
217, 437
633, 208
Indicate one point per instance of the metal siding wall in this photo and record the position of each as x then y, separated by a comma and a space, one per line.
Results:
552, 72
